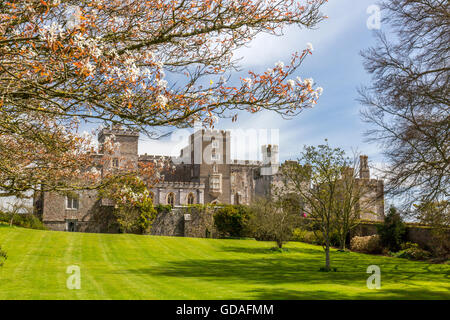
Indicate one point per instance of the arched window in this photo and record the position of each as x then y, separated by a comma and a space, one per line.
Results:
190, 198
171, 199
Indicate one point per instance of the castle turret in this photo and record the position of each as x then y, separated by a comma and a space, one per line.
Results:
271, 161
364, 172
126, 155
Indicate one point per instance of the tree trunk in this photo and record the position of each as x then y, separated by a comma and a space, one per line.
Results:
342, 242
279, 244
327, 256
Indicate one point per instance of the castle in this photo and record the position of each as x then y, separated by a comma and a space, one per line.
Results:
203, 173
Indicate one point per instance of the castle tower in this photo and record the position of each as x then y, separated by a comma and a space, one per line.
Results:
364, 172
271, 161
208, 153
126, 157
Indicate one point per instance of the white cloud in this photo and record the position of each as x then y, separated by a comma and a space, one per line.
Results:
266, 48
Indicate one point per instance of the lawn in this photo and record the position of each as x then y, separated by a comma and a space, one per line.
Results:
150, 267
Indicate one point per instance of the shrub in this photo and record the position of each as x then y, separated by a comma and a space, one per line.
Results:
392, 232
163, 208
368, 244
25, 220
232, 220
412, 251
306, 236
146, 216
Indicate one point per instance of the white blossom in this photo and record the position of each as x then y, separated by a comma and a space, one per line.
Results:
248, 82
279, 64
291, 83
162, 100
89, 67
319, 90
161, 84
309, 46
308, 82
128, 93
51, 32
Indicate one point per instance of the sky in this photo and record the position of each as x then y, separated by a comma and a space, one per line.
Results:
335, 65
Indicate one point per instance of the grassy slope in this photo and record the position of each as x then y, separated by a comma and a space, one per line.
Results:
147, 267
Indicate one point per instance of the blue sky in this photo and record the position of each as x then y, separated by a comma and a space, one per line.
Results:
335, 65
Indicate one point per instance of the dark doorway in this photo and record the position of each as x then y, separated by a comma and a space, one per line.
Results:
72, 226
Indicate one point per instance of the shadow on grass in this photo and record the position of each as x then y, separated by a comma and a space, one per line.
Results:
293, 269
270, 250
381, 294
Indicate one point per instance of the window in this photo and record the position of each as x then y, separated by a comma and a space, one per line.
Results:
72, 202
269, 151
214, 167
115, 163
215, 156
215, 183
191, 198
215, 143
171, 199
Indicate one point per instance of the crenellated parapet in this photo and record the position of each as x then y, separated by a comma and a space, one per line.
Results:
180, 185
117, 131
252, 163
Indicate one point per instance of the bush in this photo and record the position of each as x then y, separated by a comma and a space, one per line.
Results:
232, 220
392, 232
163, 208
146, 217
306, 236
369, 244
25, 220
412, 251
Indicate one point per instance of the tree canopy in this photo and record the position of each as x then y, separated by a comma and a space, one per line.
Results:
142, 64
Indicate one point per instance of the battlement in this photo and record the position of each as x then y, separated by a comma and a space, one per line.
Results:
246, 162
213, 131
117, 131
180, 185
153, 157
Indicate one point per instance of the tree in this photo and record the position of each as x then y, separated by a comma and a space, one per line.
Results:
66, 62
232, 220
19, 207
408, 101
392, 231
353, 197
273, 219
332, 196
133, 207
437, 216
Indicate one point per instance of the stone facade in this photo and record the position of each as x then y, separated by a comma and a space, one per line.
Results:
202, 174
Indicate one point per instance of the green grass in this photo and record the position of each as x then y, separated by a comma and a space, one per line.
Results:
149, 267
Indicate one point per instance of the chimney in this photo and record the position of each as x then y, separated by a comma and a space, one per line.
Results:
364, 172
